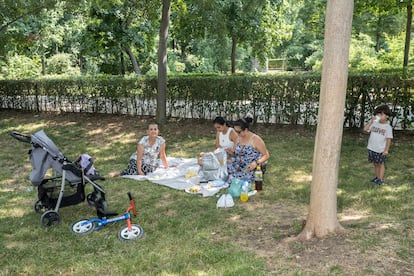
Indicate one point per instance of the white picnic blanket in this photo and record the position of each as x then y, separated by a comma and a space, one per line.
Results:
182, 174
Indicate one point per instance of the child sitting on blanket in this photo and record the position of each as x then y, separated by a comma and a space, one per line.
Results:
145, 159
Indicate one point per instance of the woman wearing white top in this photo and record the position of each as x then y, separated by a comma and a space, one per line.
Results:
226, 137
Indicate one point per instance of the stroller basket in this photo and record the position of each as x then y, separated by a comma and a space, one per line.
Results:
67, 185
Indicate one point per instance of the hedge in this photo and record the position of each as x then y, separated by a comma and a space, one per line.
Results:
278, 99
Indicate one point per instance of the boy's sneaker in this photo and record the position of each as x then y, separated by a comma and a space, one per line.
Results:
379, 181
374, 180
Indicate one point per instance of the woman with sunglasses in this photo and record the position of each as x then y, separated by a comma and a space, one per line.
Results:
249, 152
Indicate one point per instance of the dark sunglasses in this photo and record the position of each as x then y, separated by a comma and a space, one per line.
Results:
238, 131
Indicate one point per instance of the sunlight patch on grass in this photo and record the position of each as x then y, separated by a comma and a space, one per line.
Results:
15, 244
13, 212
122, 138
33, 127
235, 218
352, 216
299, 177
382, 226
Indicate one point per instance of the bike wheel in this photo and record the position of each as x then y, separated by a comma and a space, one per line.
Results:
82, 227
49, 218
136, 232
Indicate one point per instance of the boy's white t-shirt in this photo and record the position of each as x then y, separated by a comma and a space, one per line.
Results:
378, 137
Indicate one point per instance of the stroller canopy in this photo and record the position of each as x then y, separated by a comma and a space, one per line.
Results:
45, 155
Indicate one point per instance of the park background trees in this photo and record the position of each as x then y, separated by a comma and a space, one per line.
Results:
121, 37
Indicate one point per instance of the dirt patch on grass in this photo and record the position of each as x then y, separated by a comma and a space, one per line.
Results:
272, 233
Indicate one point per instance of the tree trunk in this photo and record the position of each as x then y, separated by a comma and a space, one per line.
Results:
183, 47
43, 65
162, 64
407, 38
122, 63
133, 60
233, 54
322, 218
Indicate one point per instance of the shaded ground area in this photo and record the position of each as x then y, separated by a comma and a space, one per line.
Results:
272, 236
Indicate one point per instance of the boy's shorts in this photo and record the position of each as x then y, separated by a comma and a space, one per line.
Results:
376, 157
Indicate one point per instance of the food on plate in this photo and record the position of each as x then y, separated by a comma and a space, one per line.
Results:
194, 189
190, 174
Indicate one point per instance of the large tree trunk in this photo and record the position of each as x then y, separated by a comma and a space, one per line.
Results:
322, 218
407, 38
133, 60
162, 63
233, 54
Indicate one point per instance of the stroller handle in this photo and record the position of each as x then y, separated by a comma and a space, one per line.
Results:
21, 137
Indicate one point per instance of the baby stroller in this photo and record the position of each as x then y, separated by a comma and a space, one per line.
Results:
66, 187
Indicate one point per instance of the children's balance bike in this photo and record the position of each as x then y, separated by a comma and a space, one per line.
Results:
130, 232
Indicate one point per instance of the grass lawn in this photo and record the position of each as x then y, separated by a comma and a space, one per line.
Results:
186, 234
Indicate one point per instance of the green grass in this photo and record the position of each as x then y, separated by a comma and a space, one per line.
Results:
187, 234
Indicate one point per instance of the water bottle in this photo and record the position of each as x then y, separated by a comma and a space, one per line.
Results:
244, 195
258, 178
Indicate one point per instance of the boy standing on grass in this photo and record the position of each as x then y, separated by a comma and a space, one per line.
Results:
379, 141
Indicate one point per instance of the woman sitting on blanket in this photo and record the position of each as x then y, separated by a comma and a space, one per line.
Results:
226, 137
145, 159
250, 151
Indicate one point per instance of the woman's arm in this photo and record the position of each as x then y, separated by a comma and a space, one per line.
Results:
233, 136
163, 156
217, 139
261, 147
235, 139
140, 154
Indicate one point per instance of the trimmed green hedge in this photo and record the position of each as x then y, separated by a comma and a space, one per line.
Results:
288, 99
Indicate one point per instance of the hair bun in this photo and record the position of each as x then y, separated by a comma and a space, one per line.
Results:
248, 119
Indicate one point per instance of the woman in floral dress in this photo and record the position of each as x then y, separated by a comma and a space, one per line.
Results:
249, 152
145, 159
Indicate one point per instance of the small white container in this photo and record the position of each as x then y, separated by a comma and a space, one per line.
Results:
377, 119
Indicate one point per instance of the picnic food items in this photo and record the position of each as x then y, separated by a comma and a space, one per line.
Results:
194, 189
190, 174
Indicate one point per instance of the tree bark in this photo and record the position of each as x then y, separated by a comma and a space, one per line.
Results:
407, 37
322, 218
162, 64
133, 60
233, 54
122, 59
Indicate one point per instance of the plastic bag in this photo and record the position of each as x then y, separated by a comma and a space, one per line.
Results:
214, 165
225, 201
235, 187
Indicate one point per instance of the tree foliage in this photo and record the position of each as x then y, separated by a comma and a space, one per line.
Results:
120, 37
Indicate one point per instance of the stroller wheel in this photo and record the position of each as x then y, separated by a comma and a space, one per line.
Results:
91, 198
136, 233
49, 218
82, 227
39, 207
